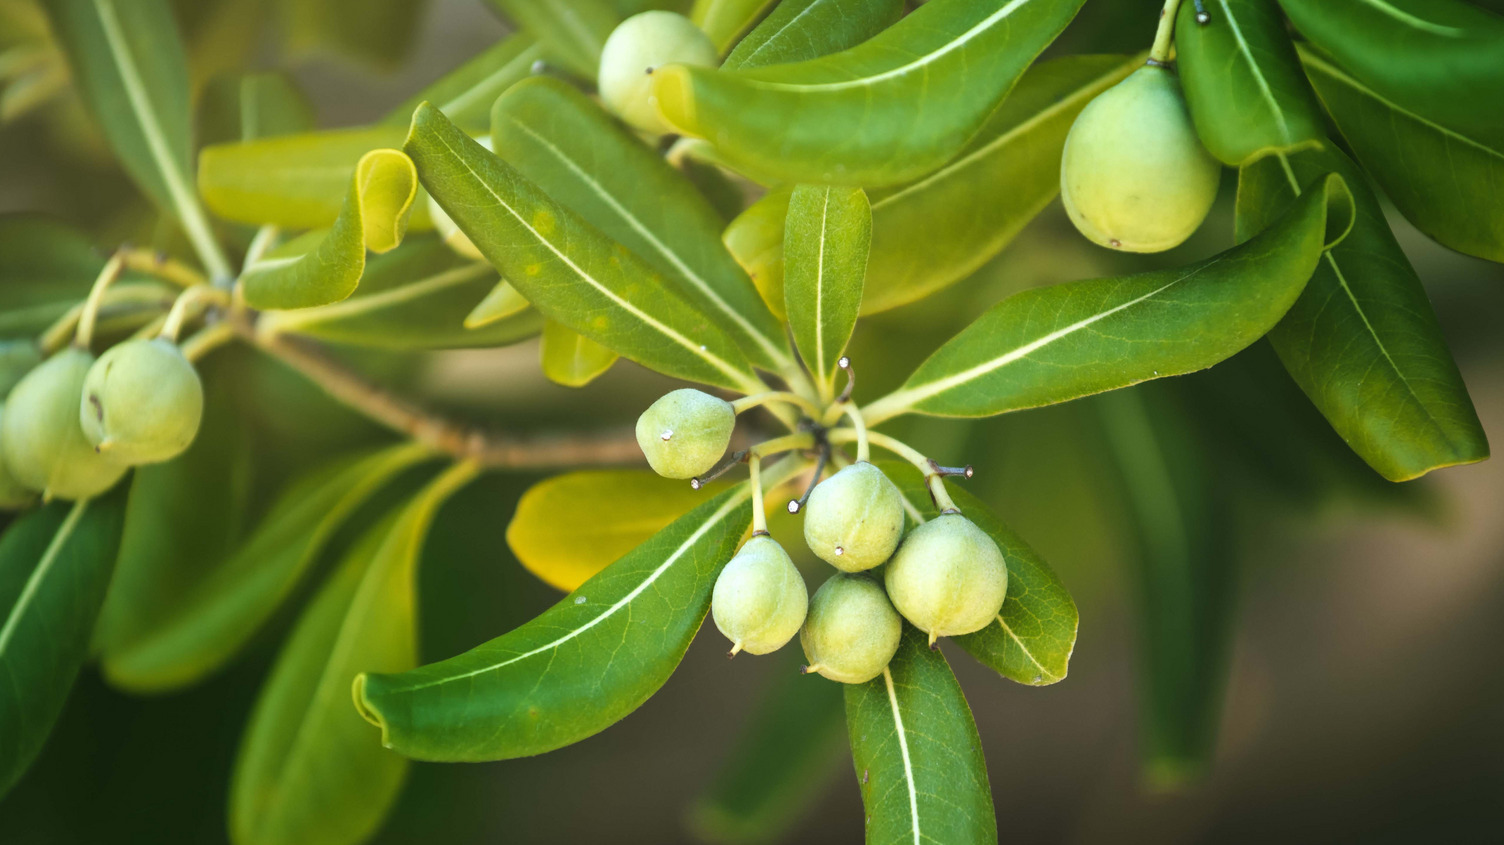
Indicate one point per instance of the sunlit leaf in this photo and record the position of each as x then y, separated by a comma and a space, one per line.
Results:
503, 301
466, 93
571, 359
573, 32
755, 239
797, 30
244, 107
826, 242
725, 20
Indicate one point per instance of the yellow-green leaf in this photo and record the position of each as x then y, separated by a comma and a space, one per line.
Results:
571, 359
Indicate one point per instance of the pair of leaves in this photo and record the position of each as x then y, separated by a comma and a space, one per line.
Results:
1362, 340
1060, 343
55, 565
828, 237
889, 109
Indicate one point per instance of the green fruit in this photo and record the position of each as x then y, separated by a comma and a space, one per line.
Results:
42, 442
948, 578
760, 598
685, 432
1134, 175
142, 402
13, 494
17, 358
638, 46
852, 630
854, 518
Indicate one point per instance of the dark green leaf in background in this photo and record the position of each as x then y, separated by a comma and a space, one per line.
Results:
797, 30
46, 268
465, 94
827, 239
244, 107
378, 33
573, 32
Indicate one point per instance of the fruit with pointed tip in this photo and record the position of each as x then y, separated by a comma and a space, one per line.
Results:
41, 439
948, 578
852, 630
638, 46
685, 432
759, 600
854, 518
142, 402
1134, 175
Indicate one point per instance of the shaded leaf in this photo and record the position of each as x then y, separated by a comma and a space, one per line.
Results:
466, 93
244, 107
725, 20
503, 301
571, 359
378, 33
573, 32
755, 240
45, 269
797, 30
826, 242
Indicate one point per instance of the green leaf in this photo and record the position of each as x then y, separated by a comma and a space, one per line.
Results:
503, 301
466, 93
780, 762
1440, 59
307, 769
1444, 181
575, 670
566, 268
917, 753
374, 217
755, 240
573, 32
564, 143
1243, 81
55, 565
1035, 632
890, 109
45, 269
131, 69
236, 598
626, 507
1060, 343
413, 298
244, 107
571, 359
828, 236
725, 20
1362, 340
806, 29
378, 33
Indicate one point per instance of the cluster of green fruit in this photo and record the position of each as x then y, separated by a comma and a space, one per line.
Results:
72, 425
946, 577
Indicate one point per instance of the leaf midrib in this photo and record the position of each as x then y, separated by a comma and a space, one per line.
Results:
903, 749
39, 574
1253, 67
1413, 21
356, 306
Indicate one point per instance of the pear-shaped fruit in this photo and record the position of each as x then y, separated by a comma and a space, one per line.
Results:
759, 599
854, 519
948, 578
142, 402
1134, 175
13, 494
638, 46
685, 432
42, 442
852, 630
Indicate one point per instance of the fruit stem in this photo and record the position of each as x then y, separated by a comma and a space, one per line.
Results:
934, 474
1164, 36
786, 443
260, 243
747, 403
85, 334
759, 517
207, 340
186, 301
162, 267
123, 299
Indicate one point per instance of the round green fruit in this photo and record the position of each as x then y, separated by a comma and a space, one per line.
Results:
852, 630
685, 432
1134, 175
948, 578
142, 402
43, 445
759, 599
641, 44
13, 494
854, 519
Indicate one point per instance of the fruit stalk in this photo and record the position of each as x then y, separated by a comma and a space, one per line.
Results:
1164, 36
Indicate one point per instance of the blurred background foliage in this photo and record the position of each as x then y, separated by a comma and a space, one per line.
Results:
1275, 642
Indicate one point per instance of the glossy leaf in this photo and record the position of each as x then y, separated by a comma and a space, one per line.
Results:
551, 537
890, 109
1362, 340
413, 298
571, 359
307, 769
918, 757
725, 20
1243, 83
566, 268
244, 107
503, 301
55, 565
1071, 340
1444, 181
797, 30
561, 141
1440, 59
755, 240
466, 93
826, 242
573, 32
780, 762
236, 598
575, 670
1035, 632
374, 218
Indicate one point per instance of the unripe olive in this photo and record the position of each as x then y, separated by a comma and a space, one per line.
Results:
685, 432
854, 518
948, 578
852, 630
1134, 175
638, 46
759, 599
13, 494
142, 402
42, 442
